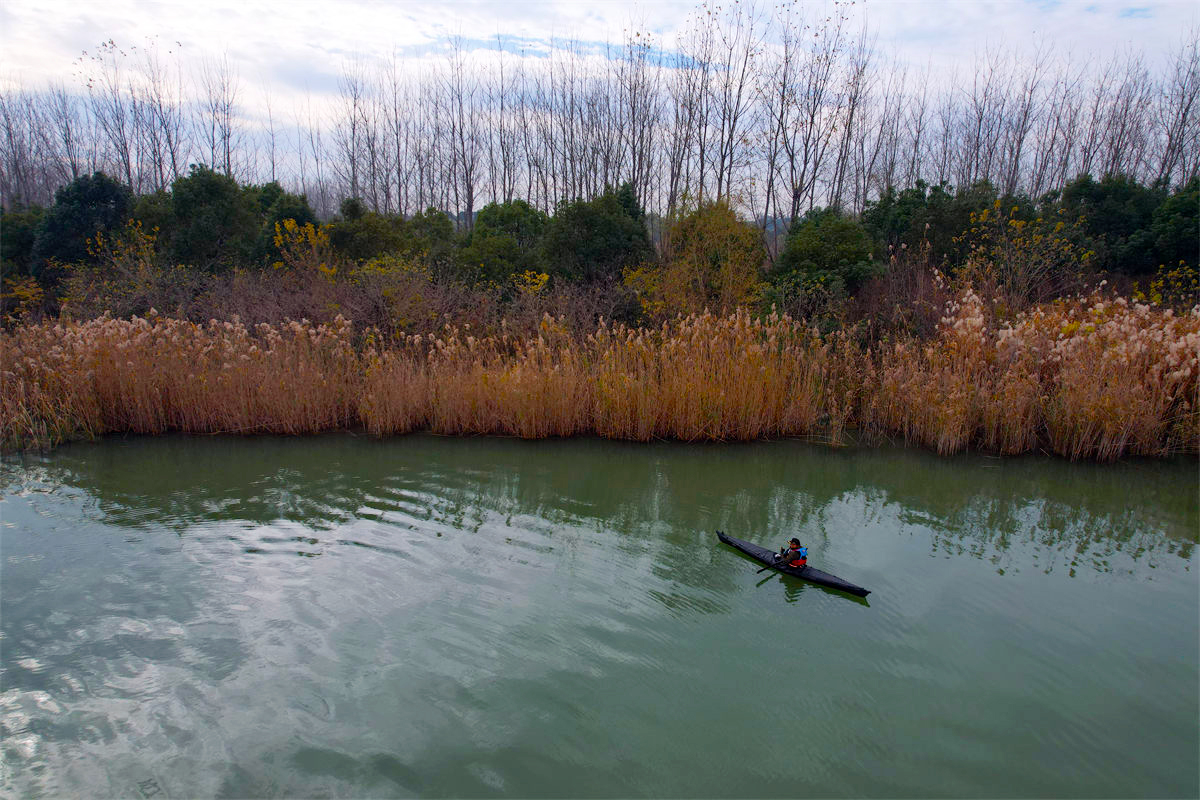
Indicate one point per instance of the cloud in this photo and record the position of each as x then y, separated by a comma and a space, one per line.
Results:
303, 44
300, 75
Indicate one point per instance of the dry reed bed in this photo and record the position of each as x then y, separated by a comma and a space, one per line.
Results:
1087, 378
153, 375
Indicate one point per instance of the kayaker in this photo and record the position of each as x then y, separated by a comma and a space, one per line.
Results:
795, 555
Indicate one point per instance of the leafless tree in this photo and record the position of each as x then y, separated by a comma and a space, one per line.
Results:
272, 139
219, 123
739, 37
349, 124
777, 116
856, 85
639, 117
67, 119
1022, 114
462, 95
111, 106
1123, 135
1177, 116
162, 117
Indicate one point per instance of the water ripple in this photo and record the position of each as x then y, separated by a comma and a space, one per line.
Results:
445, 618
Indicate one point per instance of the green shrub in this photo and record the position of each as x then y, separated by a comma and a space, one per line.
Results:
1174, 226
1116, 215
86, 206
18, 232
360, 234
591, 240
503, 242
214, 223
825, 247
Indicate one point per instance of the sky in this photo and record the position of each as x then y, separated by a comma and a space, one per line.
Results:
300, 46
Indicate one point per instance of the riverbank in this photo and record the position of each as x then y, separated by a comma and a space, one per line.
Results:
1090, 377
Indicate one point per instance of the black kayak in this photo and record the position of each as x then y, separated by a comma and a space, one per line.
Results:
807, 573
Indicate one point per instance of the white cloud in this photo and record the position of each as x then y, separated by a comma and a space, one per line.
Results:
287, 45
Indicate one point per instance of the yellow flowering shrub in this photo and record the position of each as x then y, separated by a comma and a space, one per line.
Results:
1027, 260
530, 282
22, 296
304, 248
1175, 287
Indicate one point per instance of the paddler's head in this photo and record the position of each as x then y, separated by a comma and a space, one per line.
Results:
794, 544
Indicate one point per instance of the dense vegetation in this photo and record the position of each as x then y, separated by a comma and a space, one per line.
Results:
997, 336
210, 247
730, 240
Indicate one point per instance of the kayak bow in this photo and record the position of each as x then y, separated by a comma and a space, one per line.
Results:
811, 574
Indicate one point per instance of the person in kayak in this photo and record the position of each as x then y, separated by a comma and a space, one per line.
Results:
795, 555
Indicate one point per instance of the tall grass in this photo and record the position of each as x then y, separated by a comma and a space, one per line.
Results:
154, 375
1087, 377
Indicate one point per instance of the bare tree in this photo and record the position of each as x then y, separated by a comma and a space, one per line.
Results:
311, 155
1022, 114
348, 126
16, 151
111, 106
774, 116
219, 122
811, 109
1123, 136
1177, 114
856, 85
739, 41
162, 118
683, 97
462, 95
67, 119
639, 116
272, 139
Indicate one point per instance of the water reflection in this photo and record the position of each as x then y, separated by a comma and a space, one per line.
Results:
1078, 516
442, 617
794, 588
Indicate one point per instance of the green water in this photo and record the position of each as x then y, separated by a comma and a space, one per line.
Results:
422, 616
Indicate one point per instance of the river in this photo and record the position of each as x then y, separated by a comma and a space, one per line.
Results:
426, 616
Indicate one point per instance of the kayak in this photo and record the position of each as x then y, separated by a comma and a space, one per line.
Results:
811, 574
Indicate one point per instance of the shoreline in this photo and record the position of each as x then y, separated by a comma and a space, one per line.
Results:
851, 442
